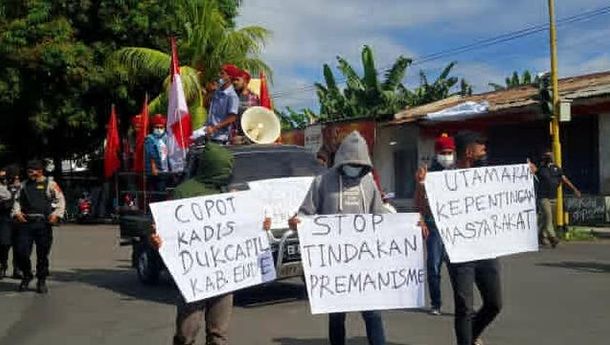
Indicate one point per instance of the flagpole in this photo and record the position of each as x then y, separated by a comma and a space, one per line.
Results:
145, 129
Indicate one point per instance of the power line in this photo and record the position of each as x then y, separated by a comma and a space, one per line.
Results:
473, 46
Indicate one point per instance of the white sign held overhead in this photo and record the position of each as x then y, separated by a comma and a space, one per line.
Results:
281, 197
362, 262
215, 244
483, 213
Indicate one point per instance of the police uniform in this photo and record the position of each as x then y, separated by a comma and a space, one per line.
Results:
37, 201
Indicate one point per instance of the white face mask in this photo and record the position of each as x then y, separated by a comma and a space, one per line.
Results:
352, 171
159, 131
445, 161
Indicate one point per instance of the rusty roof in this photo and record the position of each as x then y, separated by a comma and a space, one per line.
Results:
583, 86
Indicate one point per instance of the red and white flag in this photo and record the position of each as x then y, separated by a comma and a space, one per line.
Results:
179, 126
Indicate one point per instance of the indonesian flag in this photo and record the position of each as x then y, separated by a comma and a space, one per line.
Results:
179, 127
111, 150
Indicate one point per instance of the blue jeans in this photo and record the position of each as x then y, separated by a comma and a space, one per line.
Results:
434, 261
372, 320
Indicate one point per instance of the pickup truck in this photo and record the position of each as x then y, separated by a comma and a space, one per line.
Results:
252, 163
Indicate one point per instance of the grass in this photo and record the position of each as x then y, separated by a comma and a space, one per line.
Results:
578, 233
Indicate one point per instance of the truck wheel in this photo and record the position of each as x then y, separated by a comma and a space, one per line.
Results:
147, 266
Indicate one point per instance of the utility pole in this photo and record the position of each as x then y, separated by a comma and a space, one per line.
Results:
555, 118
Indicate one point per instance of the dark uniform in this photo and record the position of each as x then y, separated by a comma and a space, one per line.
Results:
37, 201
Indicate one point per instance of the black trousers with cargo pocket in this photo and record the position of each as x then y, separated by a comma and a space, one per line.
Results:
39, 233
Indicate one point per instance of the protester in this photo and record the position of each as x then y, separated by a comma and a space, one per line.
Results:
347, 188
156, 154
39, 205
471, 151
224, 106
247, 99
215, 169
550, 176
435, 253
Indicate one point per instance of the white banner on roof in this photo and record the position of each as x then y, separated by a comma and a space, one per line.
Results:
460, 111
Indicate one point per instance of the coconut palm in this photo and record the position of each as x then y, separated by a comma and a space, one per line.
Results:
209, 41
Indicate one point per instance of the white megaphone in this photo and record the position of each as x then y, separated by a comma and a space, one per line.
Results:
260, 125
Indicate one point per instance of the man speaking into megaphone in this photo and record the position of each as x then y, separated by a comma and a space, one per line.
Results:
223, 110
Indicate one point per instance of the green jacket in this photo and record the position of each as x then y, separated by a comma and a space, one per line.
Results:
214, 172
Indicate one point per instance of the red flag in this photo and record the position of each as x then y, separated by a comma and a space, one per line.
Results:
111, 150
179, 125
264, 93
141, 133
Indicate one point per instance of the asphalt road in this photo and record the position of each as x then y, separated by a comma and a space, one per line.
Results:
554, 297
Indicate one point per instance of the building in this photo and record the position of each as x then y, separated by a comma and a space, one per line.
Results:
515, 126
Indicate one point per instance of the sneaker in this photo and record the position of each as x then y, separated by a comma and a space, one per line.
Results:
435, 311
41, 287
25, 284
478, 341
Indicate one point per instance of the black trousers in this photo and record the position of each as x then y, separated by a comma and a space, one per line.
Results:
40, 234
486, 275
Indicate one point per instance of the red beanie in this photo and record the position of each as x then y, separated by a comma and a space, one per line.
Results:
232, 70
444, 142
245, 75
158, 120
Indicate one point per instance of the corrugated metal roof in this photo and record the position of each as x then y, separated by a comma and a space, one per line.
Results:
584, 86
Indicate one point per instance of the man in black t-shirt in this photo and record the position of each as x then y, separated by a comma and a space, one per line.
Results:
550, 176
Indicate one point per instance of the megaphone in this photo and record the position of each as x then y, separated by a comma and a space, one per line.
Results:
260, 125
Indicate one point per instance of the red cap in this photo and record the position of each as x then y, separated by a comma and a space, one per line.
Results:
158, 120
245, 75
444, 142
232, 70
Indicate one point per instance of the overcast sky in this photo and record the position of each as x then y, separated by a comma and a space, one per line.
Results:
309, 33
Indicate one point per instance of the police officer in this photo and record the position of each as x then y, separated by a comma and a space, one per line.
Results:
39, 205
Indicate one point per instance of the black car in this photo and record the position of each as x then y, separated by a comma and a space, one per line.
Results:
252, 163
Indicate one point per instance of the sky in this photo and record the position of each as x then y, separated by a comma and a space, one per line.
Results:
309, 33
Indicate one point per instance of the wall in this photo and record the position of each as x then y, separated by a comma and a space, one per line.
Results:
604, 153
395, 157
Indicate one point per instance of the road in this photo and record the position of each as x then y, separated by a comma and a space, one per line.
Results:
554, 297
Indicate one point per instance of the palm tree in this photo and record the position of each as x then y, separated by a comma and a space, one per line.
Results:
363, 96
209, 41
514, 81
440, 89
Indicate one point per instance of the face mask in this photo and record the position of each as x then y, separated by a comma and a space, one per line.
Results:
352, 171
445, 161
481, 162
159, 131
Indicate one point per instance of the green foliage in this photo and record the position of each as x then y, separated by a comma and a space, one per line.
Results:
291, 119
367, 97
57, 82
515, 81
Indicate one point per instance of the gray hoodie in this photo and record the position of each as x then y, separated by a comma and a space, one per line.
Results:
333, 192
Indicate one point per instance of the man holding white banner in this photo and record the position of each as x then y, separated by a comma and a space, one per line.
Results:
348, 188
482, 212
212, 245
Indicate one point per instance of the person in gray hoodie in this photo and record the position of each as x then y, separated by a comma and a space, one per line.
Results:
348, 187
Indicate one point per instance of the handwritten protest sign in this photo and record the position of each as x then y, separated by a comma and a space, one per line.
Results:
483, 213
362, 262
214, 244
281, 197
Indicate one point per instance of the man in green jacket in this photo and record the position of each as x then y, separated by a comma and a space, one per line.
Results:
213, 175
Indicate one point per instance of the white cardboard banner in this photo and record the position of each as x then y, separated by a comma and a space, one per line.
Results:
362, 262
281, 197
215, 244
484, 213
